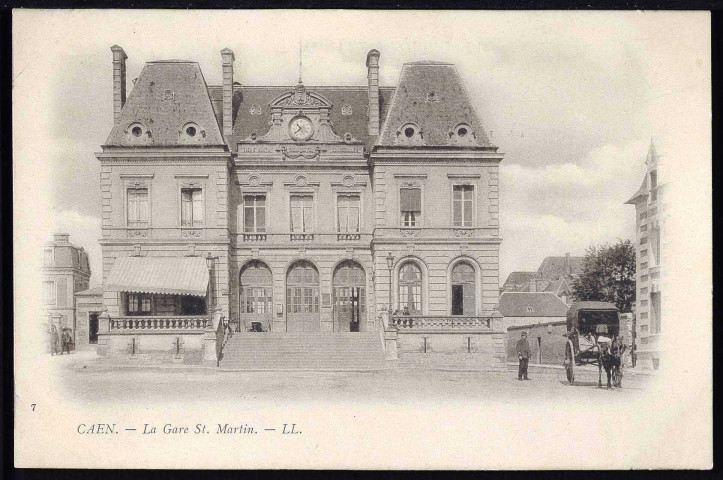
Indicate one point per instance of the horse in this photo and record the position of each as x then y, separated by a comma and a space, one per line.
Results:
610, 359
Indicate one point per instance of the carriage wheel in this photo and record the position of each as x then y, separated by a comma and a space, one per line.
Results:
569, 363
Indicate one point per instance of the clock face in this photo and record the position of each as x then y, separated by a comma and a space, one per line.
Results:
300, 128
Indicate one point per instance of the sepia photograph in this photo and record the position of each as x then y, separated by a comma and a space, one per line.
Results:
362, 239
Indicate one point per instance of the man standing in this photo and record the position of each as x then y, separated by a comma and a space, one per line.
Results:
523, 354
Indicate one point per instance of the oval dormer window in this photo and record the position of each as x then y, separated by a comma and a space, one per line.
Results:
409, 134
461, 134
191, 133
137, 134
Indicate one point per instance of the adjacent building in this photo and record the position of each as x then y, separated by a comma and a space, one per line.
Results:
649, 230
65, 271
300, 208
555, 275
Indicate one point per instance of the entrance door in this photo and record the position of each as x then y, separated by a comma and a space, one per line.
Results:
302, 298
93, 328
463, 289
349, 298
255, 297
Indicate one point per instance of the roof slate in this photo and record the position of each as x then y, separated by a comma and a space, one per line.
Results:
553, 268
642, 192
543, 304
517, 278
435, 118
164, 114
246, 97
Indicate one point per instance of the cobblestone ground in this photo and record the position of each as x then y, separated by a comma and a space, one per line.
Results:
81, 377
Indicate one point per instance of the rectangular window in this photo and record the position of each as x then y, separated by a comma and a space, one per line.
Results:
62, 297
643, 265
348, 213
643, 240
302, 213
254, 213
643, 253
463, 205
49, 292
643, 228
643, 215
139, 304
137, 212
655, 245
410, 205
48, 258
191, 207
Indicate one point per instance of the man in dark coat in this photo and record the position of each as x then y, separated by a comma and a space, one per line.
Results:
523, 354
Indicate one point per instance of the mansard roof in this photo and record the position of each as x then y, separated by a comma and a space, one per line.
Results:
642, 192
167, 96
251, 111
432, 96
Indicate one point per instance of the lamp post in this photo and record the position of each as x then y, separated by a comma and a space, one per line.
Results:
390, 264
210, 261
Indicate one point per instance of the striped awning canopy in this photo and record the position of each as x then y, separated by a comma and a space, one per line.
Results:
170, 275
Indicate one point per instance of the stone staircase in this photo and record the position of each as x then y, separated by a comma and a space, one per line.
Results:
331, 351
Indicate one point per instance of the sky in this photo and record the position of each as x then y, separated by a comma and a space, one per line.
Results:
573, 99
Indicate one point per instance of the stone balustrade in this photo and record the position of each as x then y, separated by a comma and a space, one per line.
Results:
441, 322
159, 324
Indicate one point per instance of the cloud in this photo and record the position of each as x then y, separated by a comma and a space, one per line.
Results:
559, 208
84, 230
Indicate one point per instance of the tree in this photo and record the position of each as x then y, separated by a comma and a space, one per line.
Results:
608, 275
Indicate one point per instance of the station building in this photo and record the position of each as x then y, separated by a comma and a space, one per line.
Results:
299, 210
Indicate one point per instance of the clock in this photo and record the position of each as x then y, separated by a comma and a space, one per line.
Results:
300, 128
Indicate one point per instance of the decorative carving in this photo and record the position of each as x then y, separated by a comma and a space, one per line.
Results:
346, 110
293, 152
347, 236
168, 94
300, 237
347, 180
255, 253
254, 237
410, 232
137, 233
191, 232
254, 180
255, 109
301, 180
463, 233
432, 97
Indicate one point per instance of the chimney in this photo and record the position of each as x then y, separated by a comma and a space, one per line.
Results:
119, 81
61, 237
228, 58
373, 77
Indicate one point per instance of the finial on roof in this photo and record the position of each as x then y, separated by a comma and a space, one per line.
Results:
652, 154
300, 60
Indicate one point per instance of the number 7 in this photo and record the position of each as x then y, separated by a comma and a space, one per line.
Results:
32, 405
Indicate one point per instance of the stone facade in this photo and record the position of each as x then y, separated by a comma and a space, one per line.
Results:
307, 196
650, 258
88, 307
65, 271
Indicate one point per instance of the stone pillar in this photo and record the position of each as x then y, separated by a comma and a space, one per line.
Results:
119, 81
210, 356
391, 335
373, 78
228, 58
499, 354
103, 334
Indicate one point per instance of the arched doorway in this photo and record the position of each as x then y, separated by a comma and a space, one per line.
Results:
410, 288
463, 289
302, 298
255, 296
349, 297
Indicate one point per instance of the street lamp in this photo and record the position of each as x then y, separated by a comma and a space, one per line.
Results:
390, 264
210, 261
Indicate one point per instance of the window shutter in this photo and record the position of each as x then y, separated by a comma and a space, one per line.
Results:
197, 198
411, 200
260, 213
185, 207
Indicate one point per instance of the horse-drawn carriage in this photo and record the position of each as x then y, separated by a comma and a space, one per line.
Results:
593, 338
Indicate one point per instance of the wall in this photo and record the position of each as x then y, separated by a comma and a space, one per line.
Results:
85, 305
452, 350
553, 344
155, 348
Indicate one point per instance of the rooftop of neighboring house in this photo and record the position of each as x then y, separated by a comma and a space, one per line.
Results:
60, 253
531, 304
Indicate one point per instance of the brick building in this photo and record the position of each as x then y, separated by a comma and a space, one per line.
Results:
65, 271
650, 256
300, 208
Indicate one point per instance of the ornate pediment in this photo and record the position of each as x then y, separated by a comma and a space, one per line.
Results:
300, 97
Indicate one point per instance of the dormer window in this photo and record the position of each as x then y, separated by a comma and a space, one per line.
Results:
461, 134
409, 134
137, 133
191, 133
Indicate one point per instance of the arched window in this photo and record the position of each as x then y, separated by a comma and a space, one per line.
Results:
255, 293
463, 289
302, 297
410, 288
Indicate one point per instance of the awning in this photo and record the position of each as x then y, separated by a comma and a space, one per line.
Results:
174, 275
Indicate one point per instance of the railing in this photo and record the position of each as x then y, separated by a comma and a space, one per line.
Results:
254, 237
342, 237
192, 323
441, 322
301, 237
